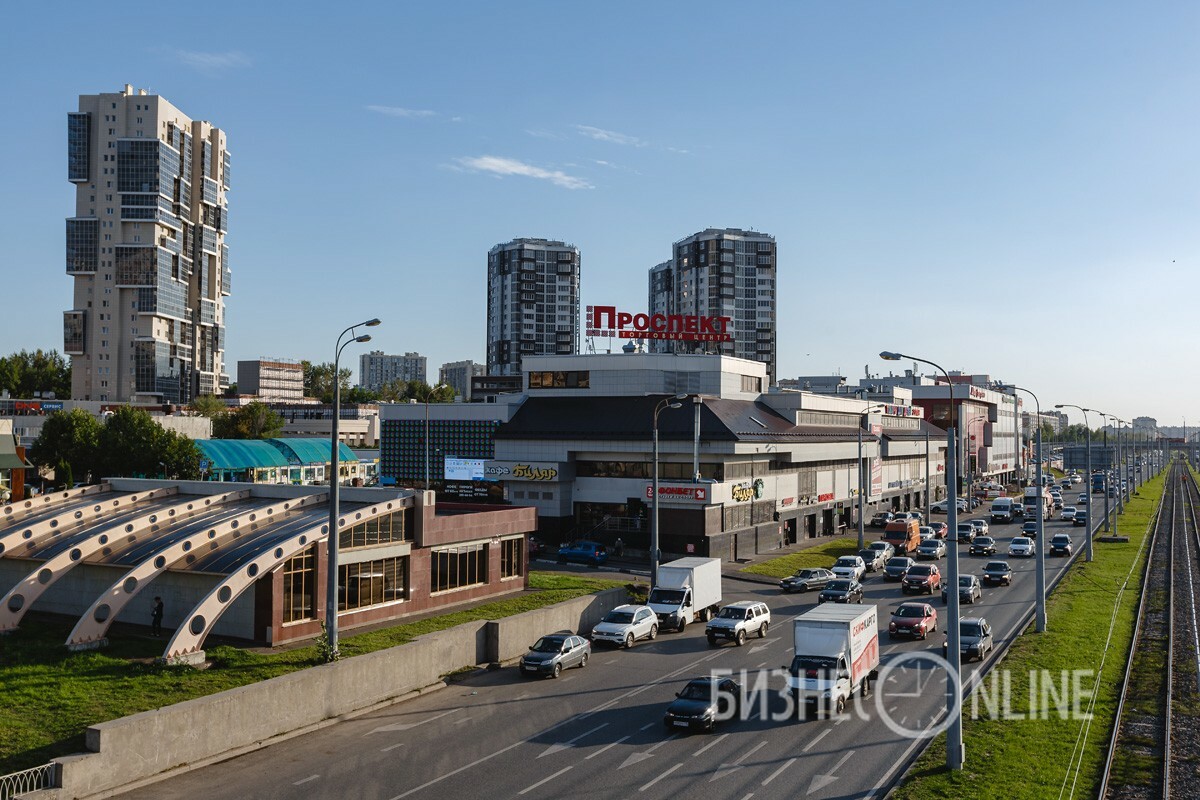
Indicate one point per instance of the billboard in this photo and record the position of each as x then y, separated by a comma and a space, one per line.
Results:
876, 477
463, 469
608, 321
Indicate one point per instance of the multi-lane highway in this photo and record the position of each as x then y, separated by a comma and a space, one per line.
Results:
598, 731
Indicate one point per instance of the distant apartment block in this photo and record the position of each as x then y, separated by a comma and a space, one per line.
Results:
377, 369
721, 272
146, 250
533, 302
271, 380
458, 374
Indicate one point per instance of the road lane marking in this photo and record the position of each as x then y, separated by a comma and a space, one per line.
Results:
751, 752
713, 743
404, 726
306, 780
461, 721
646, 727
660, 777
818, 738
391, 747
763, 664
607, 746
554, 748
775, 774
547, 779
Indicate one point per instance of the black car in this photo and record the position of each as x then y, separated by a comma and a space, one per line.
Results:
1081, 518
897, 567
881, 519
703, 702
983, 546
1029, 529
1060, 544
974, 638
966, 533
806, 579
998, 573
842, 590
969, 589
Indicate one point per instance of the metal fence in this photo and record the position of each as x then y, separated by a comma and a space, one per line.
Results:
29, 780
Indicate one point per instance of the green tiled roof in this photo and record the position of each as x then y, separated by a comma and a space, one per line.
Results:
240, 454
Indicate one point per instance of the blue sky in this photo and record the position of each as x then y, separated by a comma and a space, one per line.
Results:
1009, 188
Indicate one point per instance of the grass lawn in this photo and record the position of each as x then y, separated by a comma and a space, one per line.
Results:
823, 555
51, 696
1032, 758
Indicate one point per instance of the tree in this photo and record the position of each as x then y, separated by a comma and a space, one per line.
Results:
207, 405
26, 374
253, 421
318, 380
71, 438
132, 444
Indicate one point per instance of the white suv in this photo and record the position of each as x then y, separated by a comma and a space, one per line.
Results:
738, 620
626, 624
850, 567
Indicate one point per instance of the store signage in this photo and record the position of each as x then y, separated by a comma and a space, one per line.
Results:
822, 498
608, 321
876, 477
977, 393
682, 492
743, 492
787, 501
521, 471
463, 469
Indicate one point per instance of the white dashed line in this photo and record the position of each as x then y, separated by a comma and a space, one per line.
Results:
750, 752
464, 719
306, 780
775, 774
607, 746
712, 743
818, 738
660, 777
391, 747
547, 779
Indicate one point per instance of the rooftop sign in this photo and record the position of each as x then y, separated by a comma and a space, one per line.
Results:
608, 321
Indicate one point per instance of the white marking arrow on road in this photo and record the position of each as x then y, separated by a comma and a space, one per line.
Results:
820, 781
403, 726
637, 758
763, 646
729, 769
558, 746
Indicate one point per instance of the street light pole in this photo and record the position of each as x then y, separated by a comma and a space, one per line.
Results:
331, 543
666, 402
1040, 550
429, 390
1087, 531
862, 483
955, 754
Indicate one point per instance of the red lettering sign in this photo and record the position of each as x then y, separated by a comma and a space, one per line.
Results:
607, 321
821, 498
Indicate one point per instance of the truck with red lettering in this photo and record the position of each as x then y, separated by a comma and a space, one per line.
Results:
836, 656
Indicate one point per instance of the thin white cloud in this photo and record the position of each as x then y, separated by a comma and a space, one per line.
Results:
212, 63
601, 135
543, 134
501, 167
405, 113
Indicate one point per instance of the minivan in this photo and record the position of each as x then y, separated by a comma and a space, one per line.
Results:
903, 534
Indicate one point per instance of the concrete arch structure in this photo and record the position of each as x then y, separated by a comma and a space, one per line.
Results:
21, 597
187, 643
39, 533
12, 513
92, 628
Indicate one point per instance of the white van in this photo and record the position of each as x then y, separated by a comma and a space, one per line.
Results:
1002, 509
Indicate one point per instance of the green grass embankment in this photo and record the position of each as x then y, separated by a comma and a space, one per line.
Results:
1034, 757
50, 696
823, 555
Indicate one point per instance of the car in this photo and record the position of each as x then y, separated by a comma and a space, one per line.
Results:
624, 625
933, 548
883, 547
1029, 529
926, 532
998, 573
872, 558
1081, 518
974, 638
1076, 479
1082, 499
983, 546
926, 578
969, 589
1022, 546
737, 621
966, 533
583, 552
897, 567
842, 590
805, 579
1060, 544
1068, 513
940, 529
940, 507
703, 702
881, 519
913, 619
553, 653
1018, 510
981, 526
849, 567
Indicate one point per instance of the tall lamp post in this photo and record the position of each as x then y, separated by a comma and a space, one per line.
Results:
1108, 468
954, 734
1087, 533
428, 394
666, 402
970, 473
331, 546
1040, 550
862, 484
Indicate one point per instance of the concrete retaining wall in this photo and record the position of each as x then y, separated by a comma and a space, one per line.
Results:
189, 734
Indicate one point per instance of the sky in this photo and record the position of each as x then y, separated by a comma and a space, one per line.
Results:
1005, 188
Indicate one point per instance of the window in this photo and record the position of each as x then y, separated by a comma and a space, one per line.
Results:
372, 583
378, 530
510, 557
299, 585
457, 567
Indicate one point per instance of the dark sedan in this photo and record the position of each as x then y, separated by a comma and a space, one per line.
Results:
897, 567
983, 546
881, 519
703, 703
966, 533
842, 590
998, 573
806, 579
969, 589
550, 655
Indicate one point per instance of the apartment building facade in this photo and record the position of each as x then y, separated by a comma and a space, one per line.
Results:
377, 369
458, 375
533, 302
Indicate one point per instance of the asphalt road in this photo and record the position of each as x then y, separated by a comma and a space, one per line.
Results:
598, 732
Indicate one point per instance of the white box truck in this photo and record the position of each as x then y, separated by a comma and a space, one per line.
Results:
837, 655
688, 590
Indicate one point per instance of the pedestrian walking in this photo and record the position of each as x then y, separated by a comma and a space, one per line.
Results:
156, 616
619, 547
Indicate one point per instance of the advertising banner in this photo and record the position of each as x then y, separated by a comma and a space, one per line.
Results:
876, 478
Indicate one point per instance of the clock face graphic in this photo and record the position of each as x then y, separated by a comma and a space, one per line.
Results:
913, 675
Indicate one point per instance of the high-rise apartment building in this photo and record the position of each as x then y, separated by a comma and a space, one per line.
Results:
146, 249
721, 272
458, 374
377, 369
533, 302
